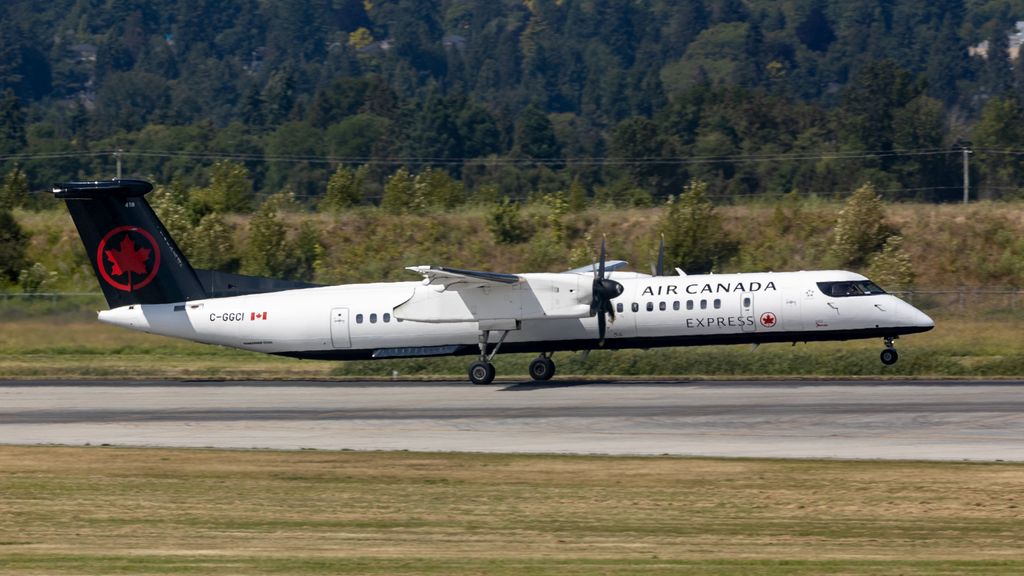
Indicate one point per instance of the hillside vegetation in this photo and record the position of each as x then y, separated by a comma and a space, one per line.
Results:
947, 246
632, 99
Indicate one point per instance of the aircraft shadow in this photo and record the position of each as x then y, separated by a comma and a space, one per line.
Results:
552, 384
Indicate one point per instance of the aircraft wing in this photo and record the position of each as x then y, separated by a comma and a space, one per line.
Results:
609, 266
493, 298
456, 278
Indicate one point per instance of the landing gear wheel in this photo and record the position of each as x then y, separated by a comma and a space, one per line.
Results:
481, 372
889, 356
542, 368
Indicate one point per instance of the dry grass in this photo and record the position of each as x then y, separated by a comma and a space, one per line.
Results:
87, 510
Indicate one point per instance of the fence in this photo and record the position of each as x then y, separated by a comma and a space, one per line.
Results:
1008, 301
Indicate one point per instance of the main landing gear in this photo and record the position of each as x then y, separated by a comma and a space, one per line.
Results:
542, 367
889, 356
482, 371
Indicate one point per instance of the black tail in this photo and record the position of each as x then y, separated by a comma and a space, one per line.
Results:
135, 259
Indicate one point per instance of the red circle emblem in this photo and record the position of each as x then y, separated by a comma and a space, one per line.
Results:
131, 260
768, 319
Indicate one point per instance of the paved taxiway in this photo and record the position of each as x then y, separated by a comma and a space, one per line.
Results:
806, 419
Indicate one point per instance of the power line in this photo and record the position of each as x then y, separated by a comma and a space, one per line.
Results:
493, 161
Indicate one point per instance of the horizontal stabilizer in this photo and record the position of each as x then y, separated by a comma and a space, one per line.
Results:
223, 284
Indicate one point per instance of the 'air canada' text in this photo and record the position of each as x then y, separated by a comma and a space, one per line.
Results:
709, 288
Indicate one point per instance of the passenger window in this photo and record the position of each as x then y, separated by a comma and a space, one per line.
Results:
689, 304
387, 317
650, 306
618, 307
675, 305
359, 318
746, 302
703, 304
661, 306
373, 318
718, 303
636, 307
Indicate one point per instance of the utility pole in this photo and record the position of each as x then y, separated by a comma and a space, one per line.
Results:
117, 156
967, 171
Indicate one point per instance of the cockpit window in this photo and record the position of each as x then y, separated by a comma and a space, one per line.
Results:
854, 288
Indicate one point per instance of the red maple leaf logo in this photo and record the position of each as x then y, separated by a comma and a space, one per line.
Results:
128, 258
768, 319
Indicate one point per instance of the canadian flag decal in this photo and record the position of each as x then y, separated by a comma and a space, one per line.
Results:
258, 316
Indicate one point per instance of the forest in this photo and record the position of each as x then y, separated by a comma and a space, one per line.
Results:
630, 98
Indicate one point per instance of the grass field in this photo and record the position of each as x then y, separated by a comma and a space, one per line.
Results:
153, 511
78, 346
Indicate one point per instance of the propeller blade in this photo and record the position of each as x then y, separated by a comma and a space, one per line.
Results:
603, 291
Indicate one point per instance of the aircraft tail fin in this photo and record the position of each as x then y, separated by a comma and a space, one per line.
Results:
135, 260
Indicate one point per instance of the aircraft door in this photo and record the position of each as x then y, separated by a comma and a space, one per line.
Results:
747, 312
339, 328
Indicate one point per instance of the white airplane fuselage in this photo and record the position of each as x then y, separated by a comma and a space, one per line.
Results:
360, 321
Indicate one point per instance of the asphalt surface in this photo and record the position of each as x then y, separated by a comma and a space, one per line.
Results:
929, 420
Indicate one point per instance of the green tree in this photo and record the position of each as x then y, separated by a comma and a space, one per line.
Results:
267, 252
212, 244
171, 205
13, 245
295, 140
945, 63
637, 143
344, 189
436, 189
307, 251
36, 278
506, 224
865, 114
695, 240
860, 228
891, 268
1001, 127
355, 136
15, 189
12, 124
577, 201
815, 31
230, 189
535, 135
399, 193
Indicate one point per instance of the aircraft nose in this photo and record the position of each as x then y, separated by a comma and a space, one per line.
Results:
919, 319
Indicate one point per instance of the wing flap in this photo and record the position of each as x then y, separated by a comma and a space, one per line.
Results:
452, 295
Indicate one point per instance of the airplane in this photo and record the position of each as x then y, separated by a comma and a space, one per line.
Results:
149, 286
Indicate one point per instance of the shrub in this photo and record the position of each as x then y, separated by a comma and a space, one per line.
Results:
860, 229
694, 237
506, 224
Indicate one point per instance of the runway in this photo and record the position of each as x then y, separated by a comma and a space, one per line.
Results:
920, 420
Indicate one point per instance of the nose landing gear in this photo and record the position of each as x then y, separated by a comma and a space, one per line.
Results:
889, 356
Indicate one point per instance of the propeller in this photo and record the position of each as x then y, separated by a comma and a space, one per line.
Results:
659, 268
604, 291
